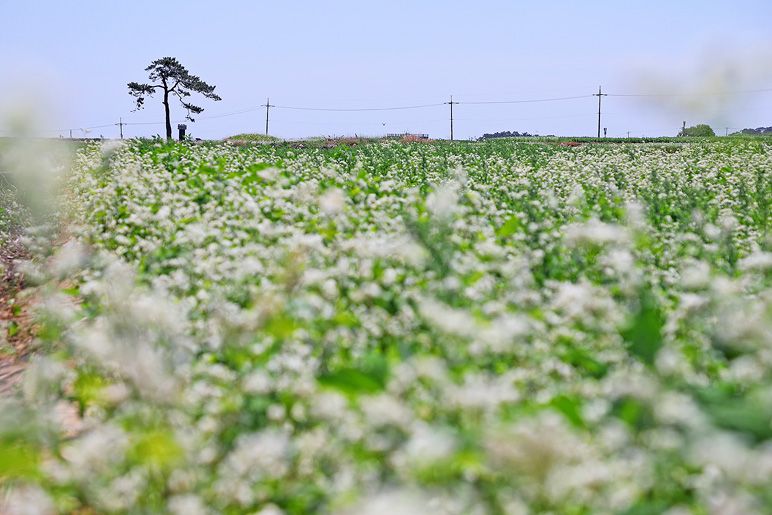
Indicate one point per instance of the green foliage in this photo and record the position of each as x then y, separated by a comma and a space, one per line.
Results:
260, 138
498, 326
698, 131
20, 445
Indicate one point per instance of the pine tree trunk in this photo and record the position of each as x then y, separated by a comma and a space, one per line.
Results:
168, 119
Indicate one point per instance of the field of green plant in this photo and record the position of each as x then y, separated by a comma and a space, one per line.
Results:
492, 328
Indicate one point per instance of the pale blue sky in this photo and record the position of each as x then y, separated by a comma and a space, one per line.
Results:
341, 54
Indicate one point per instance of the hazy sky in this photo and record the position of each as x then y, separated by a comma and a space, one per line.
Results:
701, 61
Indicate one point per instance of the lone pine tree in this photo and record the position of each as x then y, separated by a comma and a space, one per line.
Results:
169, 75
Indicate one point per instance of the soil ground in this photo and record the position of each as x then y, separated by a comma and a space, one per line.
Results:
16, 326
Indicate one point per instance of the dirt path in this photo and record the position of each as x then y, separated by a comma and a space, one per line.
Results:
16, 325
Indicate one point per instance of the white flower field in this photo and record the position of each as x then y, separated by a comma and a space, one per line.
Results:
475, 328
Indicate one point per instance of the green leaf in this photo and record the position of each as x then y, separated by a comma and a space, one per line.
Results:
72, 292
370, 377
351, 380
584, 362
644, 333
634, 413
156, 448
345, 319
88, 387
281, 326
649, 507
749, 413
569, 407
510, 227
17, 460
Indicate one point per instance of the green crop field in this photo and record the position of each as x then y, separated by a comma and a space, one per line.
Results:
469, 328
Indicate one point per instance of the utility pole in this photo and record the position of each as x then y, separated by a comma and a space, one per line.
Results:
599, 95
267, 106
451, 116
121, 124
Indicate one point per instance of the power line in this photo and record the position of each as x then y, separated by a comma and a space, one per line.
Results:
655, 130
467, 94
527, 101
362, 123
358, 109
234, 113
524, 92
253, 108
710, 93
144, 123
525, 118
98, 126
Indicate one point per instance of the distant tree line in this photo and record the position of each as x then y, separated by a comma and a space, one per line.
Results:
504, 134
758, 131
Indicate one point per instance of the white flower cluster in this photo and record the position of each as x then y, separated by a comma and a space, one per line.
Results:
496, 328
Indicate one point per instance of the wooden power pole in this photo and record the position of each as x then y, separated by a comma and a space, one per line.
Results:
121, 124
451, 116
267, 106
599, 95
